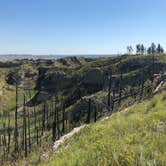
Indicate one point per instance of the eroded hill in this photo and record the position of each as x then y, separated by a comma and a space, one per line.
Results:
56, 95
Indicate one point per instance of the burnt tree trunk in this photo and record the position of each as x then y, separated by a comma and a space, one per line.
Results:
29, 132
9, 135
54, 125
153, 67
142, 84
113, 97
16, 123
120, 88
58, 125
89, 111
95, 114
109, 90
43, 118
63, 119
25, 130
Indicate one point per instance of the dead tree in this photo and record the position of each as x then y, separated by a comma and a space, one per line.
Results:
52, 111
109, 90
37, 136
95, 114
9, 134
50, 120
120, 88
113, 97
63, 118
43, 118
47, 116
16, 123
29, 92
25, 129
34, 112
153, 67
142, 84
58, 125
120, 82
4, 147
40, 128
54, 125
54, 131
4, 142
29, 132
89, 111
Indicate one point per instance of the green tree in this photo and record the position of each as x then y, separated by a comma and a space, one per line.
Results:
153, 48
129, 50
149, 50
159, 49
142, 49
138, 49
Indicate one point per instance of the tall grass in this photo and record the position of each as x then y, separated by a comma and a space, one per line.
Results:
136, 136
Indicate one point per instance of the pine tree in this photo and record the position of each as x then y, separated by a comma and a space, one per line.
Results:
138, 49
153, 48
129, 50
160, 49
143, 49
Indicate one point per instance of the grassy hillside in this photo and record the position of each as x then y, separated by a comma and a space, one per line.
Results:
63, 89
90, 77
136, 136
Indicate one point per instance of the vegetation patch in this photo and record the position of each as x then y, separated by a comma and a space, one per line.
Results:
132, 137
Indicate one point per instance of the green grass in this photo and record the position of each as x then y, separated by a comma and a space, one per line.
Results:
136, 136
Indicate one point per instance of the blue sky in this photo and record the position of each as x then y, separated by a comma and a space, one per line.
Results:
79, 26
